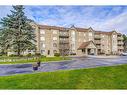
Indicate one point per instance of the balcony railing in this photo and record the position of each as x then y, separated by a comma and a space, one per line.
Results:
120, 43
97, 37
97, 41
63, 34
120, 47
63, 41
119, 38
63, 47
119, 35
98, 46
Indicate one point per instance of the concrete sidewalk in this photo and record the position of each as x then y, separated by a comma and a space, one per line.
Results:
103, 56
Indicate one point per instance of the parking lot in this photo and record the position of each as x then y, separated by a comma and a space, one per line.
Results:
75, 63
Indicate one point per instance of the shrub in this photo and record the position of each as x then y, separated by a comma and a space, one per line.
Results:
66, 54
43, 56
72, 53
37, 54
29, 55
57, 54
12, 55
2, 53
20, 55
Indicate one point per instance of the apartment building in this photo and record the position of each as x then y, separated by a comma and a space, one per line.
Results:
75, 40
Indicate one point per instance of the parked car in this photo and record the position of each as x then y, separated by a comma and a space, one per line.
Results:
124, 54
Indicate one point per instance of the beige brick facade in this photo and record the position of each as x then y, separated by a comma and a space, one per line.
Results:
79, 41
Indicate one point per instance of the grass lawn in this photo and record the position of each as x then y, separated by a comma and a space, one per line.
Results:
113, 77
45, 59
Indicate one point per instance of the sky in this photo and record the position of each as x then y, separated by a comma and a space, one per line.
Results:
103, 18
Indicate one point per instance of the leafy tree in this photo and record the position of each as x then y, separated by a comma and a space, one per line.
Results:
17, 33
124, 38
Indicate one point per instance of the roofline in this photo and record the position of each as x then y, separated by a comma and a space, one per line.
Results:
87, 44
65, 28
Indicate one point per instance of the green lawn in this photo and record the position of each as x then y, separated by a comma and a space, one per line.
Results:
24, 60
114, 77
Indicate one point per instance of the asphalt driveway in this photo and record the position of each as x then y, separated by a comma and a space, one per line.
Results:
76, 63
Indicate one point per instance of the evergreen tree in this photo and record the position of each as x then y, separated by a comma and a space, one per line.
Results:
17, 33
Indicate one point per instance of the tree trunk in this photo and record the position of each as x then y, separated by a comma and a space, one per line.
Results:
19, 49
18, 52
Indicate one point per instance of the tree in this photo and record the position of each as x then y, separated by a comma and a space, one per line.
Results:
17, 32
124, 38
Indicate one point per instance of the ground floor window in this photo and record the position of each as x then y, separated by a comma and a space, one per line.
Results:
42, 51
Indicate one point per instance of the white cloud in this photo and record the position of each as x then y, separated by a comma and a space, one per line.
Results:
118, 23
114, 18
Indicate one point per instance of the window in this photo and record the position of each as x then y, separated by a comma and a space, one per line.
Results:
54, 45
90, 33
114, 36
42, 32
54, 38
42, 51
42, 38
43, 45
64, 33
73, 32
54, 31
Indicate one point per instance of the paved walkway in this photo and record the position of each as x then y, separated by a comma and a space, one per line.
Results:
76, 63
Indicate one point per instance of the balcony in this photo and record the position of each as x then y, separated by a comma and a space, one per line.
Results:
64, 34
97, 37
120, 47
98, 46
63, 47
64, 41
119, 38
119, 35
120, 43
97, 42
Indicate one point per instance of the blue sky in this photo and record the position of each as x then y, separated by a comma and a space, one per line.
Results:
105, 18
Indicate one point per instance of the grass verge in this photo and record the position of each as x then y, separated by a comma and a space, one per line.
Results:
113, 77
